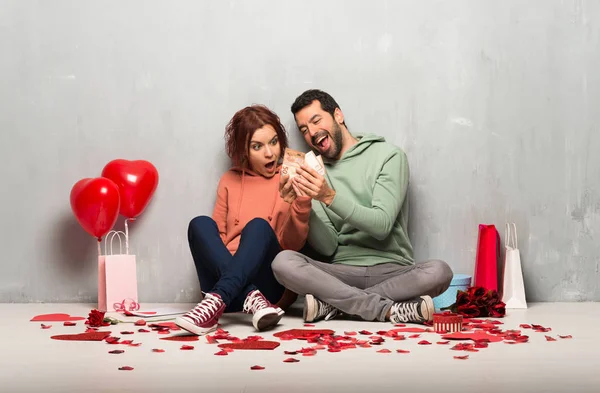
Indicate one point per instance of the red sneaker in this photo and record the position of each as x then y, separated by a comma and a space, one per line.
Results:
203, 318
265, 314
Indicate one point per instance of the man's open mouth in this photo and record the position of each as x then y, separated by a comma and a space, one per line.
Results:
323, 142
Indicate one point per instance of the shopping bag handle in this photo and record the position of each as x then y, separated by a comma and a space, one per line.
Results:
110, 236
508, 237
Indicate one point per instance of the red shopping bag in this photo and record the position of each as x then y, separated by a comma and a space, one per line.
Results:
488, 261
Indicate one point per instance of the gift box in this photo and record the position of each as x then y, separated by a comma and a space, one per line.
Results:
460, 282
447, 322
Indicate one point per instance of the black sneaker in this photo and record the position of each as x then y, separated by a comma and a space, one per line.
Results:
419, 310
315, 309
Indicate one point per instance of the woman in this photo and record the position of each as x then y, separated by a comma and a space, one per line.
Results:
250, 224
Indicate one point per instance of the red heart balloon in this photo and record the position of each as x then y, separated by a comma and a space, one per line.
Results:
137, 181
95, 203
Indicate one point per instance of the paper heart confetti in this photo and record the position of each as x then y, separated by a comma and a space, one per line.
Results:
476, 336
112, 340
181, 338
411, 330
257, 345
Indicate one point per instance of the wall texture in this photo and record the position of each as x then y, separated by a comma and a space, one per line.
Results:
492, 101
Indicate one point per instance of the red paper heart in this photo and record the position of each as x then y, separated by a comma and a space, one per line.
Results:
303, 333
475, 336
251, 345
136, 180
55, 318
181, 338
92, 336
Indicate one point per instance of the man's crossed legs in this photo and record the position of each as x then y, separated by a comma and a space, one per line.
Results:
384, 292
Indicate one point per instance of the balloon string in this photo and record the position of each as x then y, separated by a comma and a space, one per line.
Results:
126, 237
99, 249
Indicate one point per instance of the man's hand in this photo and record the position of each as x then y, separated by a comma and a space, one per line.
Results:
312, 184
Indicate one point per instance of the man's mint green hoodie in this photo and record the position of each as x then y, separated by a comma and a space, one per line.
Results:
367, 222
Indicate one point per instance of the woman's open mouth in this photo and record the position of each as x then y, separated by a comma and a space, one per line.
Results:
270, 166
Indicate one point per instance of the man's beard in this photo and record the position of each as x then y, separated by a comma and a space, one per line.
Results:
336, 140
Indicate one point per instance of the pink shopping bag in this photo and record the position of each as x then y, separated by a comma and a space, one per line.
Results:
117, 276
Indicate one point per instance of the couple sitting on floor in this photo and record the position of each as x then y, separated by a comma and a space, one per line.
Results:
250, 255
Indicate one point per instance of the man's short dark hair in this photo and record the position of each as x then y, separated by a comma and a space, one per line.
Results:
327, 102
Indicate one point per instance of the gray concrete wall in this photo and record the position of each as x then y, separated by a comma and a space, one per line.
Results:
495, 102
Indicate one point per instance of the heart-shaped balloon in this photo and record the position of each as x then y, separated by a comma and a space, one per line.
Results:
137, 181
95, 203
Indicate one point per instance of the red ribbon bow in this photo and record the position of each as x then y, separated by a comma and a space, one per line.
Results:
126, 305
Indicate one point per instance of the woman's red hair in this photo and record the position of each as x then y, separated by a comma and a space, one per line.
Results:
241, 127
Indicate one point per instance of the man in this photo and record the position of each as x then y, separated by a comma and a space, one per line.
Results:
359, 222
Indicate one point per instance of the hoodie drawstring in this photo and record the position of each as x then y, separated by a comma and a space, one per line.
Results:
276, 193
239, 206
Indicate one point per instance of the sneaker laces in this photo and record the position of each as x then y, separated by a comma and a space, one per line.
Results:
205, 309
405, 312
326, 310
254, 302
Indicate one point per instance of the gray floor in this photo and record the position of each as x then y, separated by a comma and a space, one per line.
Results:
32, 362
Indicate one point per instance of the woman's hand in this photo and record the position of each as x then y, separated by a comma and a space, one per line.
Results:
288, 190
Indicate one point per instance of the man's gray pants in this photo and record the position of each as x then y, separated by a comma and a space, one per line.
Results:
365, 291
